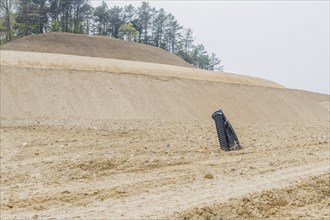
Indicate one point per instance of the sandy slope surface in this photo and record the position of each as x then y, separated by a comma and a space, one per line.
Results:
94, 46
135, 169
95, 138
105, 65
32, 88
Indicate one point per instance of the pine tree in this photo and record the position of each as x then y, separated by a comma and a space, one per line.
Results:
129, 13
54, 15
115, 20
144, 16
173, 33
158, 27
6, 12
102, 17
27, 17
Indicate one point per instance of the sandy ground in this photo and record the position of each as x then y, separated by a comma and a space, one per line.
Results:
134, 169
96, 138
308, 199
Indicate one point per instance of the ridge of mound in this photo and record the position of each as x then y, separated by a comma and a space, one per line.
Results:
93, 64
94, 46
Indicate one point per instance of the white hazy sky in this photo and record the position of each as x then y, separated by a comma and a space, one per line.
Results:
283, 41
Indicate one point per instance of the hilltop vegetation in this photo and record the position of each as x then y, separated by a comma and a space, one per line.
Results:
144, 24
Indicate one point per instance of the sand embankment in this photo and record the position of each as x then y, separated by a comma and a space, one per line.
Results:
39, 85
94, 46
35, 85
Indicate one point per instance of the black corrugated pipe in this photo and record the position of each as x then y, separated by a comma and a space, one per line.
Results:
227, 137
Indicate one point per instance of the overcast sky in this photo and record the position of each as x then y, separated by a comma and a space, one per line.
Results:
283, 41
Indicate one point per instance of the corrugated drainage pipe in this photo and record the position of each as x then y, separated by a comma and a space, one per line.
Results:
227, 137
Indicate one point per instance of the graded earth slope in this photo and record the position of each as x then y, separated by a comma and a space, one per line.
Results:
53, 86
96, 138
94, 46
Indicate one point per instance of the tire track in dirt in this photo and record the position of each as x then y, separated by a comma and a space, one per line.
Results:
308, 199
154, 167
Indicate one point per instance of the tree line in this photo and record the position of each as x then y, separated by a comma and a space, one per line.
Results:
144, 24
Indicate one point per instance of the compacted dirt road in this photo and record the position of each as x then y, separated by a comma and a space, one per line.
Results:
127, 169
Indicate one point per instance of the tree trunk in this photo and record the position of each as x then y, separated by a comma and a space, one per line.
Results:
145, 33
57, 15
41, 25
76, 22
8, 25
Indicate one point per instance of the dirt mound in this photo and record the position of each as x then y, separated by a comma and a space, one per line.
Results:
94, 46
85, 138
49, 88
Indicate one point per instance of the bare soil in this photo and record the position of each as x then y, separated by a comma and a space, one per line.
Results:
83, 137
309, 199
136, 169
94, 46
53, 86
